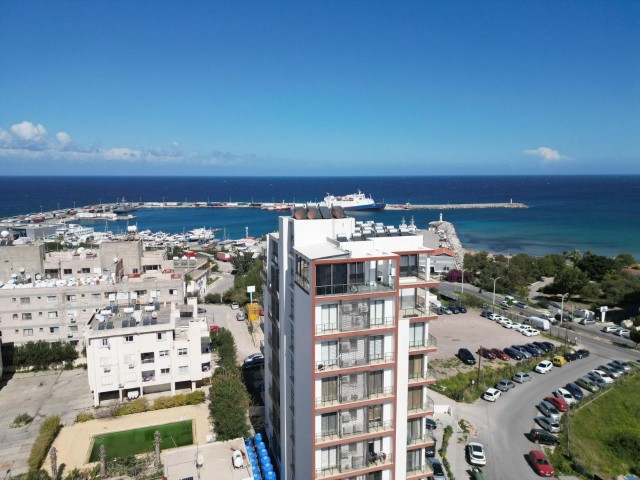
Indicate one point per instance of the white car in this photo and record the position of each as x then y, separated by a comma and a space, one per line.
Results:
505, 322
622, 332
515, 325
564, 394
609, 328
495, 317
600, 374
543, 367
475, 454
522, 327
530, 332
235, 306
491, 394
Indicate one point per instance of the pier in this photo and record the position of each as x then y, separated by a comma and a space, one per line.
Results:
455, 206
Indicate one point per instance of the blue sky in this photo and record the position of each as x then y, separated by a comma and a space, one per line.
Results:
319, 88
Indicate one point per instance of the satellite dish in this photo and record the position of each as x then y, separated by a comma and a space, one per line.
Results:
21, 269
199, 461
115, 259
4, 234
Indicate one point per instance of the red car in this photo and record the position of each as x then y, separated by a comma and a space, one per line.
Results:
559, 403
486, 353
540, 463
214, 328
500, 354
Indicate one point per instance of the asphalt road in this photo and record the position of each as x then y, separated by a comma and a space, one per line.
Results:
502, 425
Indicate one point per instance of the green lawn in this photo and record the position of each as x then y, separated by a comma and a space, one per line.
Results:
133, 442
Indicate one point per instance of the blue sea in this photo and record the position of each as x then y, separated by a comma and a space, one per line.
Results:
588, 213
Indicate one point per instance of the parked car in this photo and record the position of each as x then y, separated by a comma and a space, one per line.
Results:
542, 346
622, 332
549, 424
445, 311
525, 353
485, 313
235, 306
594, 374
533, 351
486, 353
582, 353
522, 377
543, 437
430, 423
624, 365
588, 384
521, 305
535, 347
543, 367
466, 356
462, 309
574, 390
494, 316
201, 310
253, 360
475, 454
214, 328
558, 402
531, 332
549, 345
505, 385
587, 321
609, 328
491, 394
504, 304
438, 471
515, 325
570, 356
505, 322
500, 354
240, 316
514, 353
454, 309
565, 395
549, 410
611, 371
558, 361
599, 381
522, 327
540, 464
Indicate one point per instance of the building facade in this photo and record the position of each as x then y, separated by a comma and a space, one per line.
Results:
347, 310
133, 351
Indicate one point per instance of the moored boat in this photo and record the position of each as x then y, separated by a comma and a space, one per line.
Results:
353, 201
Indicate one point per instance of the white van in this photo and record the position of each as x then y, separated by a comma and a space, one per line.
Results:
509, 298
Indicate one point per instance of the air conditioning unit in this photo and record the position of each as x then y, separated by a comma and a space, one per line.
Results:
70, 335
132, 365
121, 385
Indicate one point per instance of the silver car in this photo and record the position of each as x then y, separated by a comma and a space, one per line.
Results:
549, 410
623, 365
549, 424
611, 371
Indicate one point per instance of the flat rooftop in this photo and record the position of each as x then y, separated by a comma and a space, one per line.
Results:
111, 319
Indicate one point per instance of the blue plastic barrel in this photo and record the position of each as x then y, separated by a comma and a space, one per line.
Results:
258, 437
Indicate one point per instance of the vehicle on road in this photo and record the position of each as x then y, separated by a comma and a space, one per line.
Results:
505, 385
611, 371
475, 454
214, 328
558, 402
514, 353
622, 332
486, 353
540, 464
582, 353
235, 306
558, 361
549, 345
253, 360
543, 437
565, 395
240, 316
543, 367
491, 394
549, 410
549, 424
588, 384
624, 365
201, 310
587, 321
522, 377
438, 471
485, 313
570, 356
504, 304
609, 328
574, 390
466, 356
521, 305
594, 374
500, 354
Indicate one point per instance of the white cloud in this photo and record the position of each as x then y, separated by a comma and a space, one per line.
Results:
63, 138
547, 155
29, 132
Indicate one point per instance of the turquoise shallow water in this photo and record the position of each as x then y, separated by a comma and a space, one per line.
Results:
588, 213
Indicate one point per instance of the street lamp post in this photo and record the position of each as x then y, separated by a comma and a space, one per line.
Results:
463, 270
493, 301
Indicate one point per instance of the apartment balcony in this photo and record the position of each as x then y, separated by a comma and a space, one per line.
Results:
354, 362
353, 465
428, 345
421, 441
353, 430
352, 289
422, 378
419, 471
149, 376
425, 408
351, 324
350, 398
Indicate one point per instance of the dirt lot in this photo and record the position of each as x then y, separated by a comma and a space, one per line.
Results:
468, 330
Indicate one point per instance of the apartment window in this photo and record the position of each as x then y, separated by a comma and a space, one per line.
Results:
130, 359
376, 312
416, 334
161, 335
182, 351
408, 265
163, 353
147, 357
128, 339
54, 329
27, 332
13, 300
68, 271
415, 398
165, 371
41, 329
71, 298
85, 270
172, 291
416, 366
73, 328
183, 369
52, 299
26, 316
15, 316
39, 314
25, 300
53, 314
374, 416
95, 296
329, 389
104, 342
329, 423
329, 317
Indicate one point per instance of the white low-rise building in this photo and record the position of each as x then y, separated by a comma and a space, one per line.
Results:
147, 348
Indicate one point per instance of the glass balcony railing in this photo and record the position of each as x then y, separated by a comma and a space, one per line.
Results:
351, 464
422, 376
419, 470
355, 325
429, 342
349, 397
424, 439
354, 429
352, 288
351, 362
426, 407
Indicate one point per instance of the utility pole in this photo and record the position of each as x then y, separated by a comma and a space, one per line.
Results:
479, 363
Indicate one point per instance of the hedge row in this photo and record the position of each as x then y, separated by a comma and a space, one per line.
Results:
140, 405
42, 444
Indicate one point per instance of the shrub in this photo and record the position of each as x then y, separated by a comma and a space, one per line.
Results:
195, 398
21, 420
41, 354
192, 398
138, 405
84, 417
213, 298
48, 431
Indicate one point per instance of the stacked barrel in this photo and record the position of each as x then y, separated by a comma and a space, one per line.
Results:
259, 459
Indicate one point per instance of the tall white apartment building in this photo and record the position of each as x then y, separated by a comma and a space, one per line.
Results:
347, 327
148, 349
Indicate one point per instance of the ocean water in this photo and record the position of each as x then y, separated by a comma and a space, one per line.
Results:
588, 213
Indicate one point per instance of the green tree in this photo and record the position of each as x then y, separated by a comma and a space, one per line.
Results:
634, 336
569, 280
596, 266
229, 405
550, 265
625, 260
619, 288
591, 291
